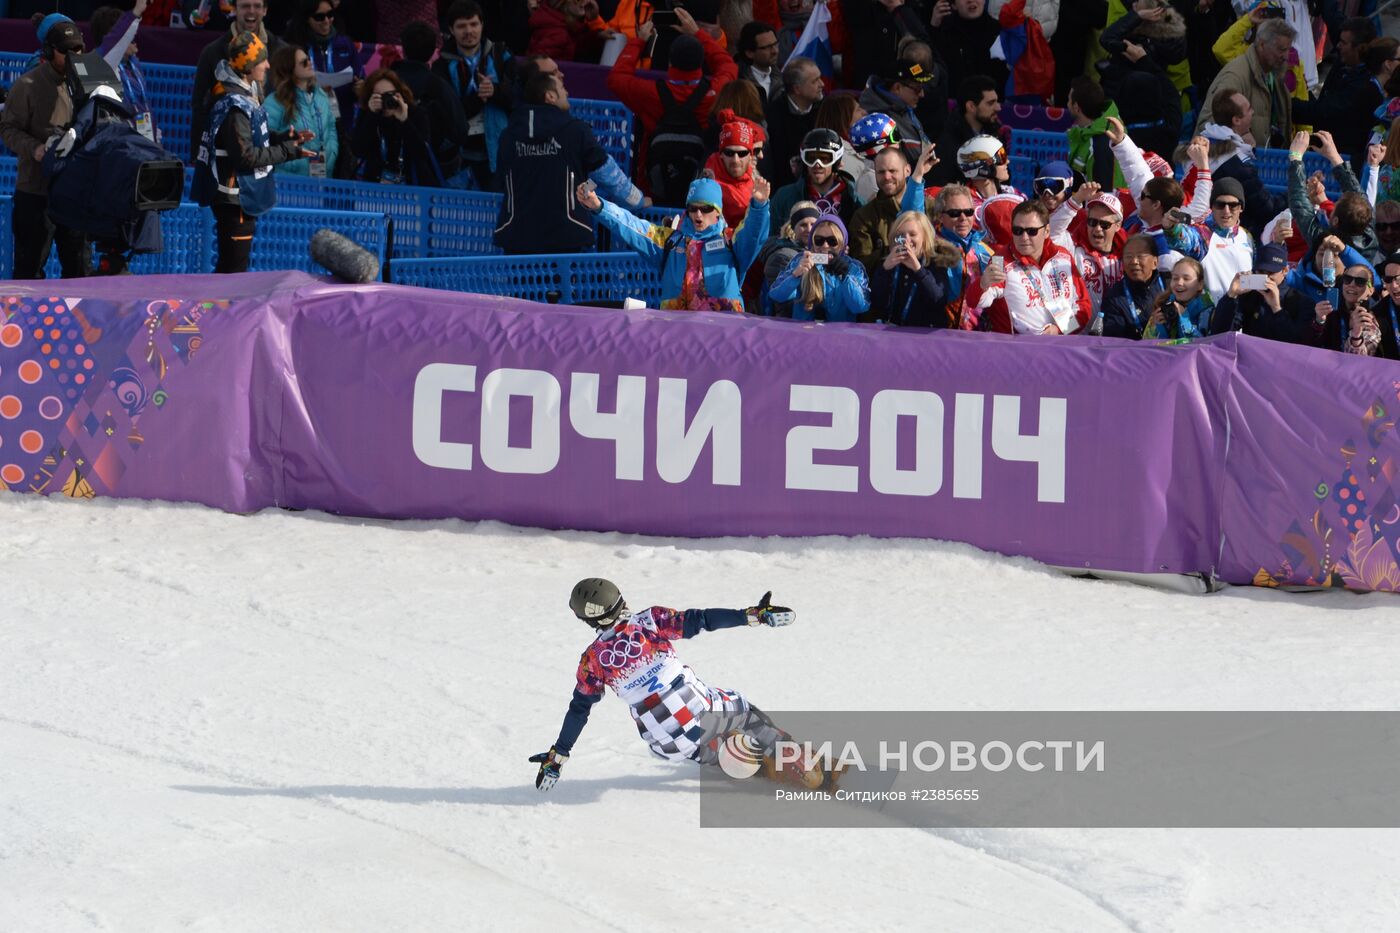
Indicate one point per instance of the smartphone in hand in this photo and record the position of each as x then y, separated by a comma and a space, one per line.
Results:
1254, 282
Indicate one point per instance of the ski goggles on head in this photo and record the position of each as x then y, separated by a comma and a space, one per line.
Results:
1049, 185
812, 157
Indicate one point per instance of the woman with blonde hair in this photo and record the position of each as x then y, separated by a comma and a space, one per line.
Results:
823, 283
909, 288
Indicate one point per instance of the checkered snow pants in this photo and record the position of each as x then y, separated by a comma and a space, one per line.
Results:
687, 722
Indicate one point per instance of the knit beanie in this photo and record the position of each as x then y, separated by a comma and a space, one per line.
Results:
1228, 186
738, 131
705, 191
246, 51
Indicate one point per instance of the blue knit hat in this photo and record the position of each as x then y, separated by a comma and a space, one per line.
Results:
48, 23
705, 191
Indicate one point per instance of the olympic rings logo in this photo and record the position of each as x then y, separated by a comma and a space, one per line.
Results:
621, 651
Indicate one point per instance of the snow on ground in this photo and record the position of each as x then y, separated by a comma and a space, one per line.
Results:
300, 722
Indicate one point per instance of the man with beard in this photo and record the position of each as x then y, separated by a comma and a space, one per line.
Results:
1258, 75
819, 181
979, 105
901, 188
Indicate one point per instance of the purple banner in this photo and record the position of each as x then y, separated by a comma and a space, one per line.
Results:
279, 389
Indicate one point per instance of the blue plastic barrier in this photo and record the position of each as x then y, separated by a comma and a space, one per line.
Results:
188, 230
1272, 166
583, 278
612, 125
1039, 146
1023, 172
169, 91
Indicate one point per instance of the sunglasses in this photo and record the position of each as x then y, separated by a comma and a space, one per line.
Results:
303, 61
1026, 231
1358, 280
735, 153
700, 209
959, 212
1389, 225
1226, 205
1387, 279
832, 241
321, 17
1100, 224
812, 157
765, 48
1048, 185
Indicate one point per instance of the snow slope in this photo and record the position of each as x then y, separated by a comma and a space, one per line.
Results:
300, 722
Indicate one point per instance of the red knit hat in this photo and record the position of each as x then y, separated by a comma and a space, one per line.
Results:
737, 131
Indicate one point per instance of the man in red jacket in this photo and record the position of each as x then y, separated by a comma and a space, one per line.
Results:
694, 55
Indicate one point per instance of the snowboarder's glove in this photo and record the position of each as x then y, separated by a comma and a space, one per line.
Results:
838, 265
765, 613
550, 762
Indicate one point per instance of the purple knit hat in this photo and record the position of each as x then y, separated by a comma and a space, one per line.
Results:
836, 221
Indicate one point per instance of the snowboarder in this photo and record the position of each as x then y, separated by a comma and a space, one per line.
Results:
679, 716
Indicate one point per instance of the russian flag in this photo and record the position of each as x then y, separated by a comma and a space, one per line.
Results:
1022, 45
815, 41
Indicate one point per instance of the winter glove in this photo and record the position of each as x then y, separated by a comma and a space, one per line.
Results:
765, 613
839, 266
550, 762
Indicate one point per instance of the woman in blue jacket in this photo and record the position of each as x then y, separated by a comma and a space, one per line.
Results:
297, 100
823, 283
703, 262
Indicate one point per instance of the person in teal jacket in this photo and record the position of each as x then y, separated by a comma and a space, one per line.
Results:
831, 289
703, 262
298, 99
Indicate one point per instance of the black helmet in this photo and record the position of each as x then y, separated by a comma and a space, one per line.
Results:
597, 601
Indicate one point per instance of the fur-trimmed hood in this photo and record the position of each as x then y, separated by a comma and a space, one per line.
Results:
1171, 26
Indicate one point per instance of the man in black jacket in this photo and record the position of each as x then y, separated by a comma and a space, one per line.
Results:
437, 98
544, 155
1265, 312
791, 116
964, 33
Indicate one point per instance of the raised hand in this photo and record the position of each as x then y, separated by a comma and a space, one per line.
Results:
1300, 143
762, 187
1199, 152
1115, 131
928, 158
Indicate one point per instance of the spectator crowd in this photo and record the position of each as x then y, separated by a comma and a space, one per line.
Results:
833, 160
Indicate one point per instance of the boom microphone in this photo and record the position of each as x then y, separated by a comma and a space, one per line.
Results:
347, 260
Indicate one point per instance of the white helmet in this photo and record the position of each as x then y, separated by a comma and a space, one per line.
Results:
980, 156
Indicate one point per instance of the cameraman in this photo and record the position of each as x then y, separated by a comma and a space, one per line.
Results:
37, 109
392, 136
